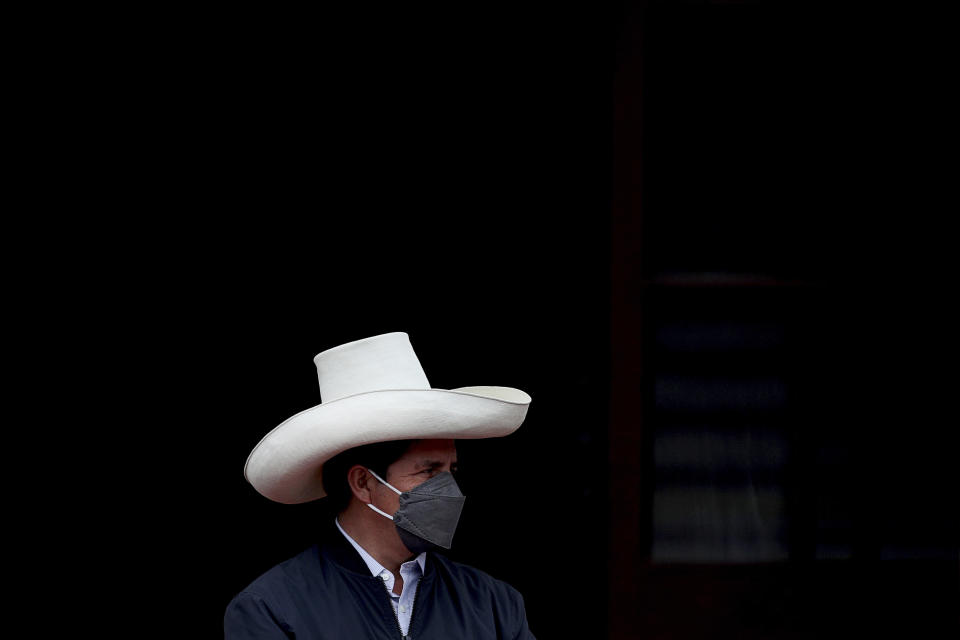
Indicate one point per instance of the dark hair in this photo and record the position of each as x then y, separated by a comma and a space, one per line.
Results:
377, 456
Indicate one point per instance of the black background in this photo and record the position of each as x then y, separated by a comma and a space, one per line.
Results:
241, 189
289, 182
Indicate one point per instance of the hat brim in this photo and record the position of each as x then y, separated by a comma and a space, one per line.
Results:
286, 466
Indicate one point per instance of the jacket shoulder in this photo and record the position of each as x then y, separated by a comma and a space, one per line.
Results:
503, 602
273, 588
474, 578
263, 608
285, 575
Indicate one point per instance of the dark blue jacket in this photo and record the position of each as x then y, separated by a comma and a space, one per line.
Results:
327, 593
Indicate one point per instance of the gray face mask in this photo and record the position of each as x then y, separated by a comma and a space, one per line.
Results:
428, 513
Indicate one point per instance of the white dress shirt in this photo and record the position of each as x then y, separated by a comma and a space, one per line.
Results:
411, 572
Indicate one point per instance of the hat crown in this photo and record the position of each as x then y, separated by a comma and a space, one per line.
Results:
372, 364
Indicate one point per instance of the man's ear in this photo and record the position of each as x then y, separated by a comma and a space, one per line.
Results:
360, 482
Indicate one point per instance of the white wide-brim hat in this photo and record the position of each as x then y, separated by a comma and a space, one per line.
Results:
373, 390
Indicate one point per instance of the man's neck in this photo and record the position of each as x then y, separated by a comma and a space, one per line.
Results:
380, 541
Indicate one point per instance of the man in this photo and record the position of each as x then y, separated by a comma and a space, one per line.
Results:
382, 445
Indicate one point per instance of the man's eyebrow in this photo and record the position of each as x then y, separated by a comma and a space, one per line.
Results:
430, 464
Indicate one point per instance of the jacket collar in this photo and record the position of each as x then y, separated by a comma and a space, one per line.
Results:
337, 549
373, 565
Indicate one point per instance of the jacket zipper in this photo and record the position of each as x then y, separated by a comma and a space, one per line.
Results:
413, 606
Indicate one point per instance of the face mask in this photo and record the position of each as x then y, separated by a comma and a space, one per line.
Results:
428, 513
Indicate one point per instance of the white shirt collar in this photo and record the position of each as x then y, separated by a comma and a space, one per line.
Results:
377, 569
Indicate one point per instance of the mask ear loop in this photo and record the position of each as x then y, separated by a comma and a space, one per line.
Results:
386, 484
384, 514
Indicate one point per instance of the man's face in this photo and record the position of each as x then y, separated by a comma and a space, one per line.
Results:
422, 461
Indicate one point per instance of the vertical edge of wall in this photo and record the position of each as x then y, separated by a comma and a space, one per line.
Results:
627, 517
